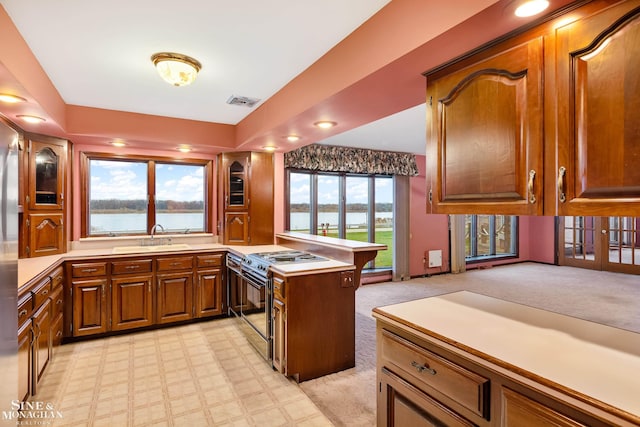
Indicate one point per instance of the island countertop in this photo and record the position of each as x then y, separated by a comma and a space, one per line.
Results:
573, 355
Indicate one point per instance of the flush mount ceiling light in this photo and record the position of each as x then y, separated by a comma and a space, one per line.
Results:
269, 148
118, 142
325, 124
175, 68
11, 99
31, 119
184, 148
527, 8
293, 138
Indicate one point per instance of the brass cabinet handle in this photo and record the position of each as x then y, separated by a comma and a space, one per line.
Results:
45, 291
532, 176
423, 368
89, 270
561, 174
22, 313
132, 267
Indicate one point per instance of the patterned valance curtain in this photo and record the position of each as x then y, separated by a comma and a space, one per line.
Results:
328, 158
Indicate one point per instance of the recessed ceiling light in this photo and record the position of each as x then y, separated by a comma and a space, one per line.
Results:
118, 142
31, 119
184, 148
269, 148
11, 99
293, 138
325, 124
530, 7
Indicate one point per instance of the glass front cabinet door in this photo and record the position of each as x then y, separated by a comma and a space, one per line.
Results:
46, 176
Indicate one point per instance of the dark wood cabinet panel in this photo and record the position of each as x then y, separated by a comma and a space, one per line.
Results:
131, 302
598, 99
209, 298
174, 297
314, 324
46, 234
484, 133
89, 307
401, 404
236, 230
42, 342
43, 177
246, 198
279, 336
25, 340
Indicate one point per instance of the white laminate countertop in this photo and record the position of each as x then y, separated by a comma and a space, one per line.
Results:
595, 360
351, 245
29, 268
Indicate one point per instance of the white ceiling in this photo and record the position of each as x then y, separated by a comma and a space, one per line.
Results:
96, 54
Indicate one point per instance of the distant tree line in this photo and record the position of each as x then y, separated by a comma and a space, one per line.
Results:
333, 207
140, 205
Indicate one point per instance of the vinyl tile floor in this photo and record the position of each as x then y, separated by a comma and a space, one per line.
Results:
201, 374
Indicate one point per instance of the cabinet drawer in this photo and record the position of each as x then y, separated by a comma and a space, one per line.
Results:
209, 260
57, 301
41, 293
132, 266
57, 277
175, 263
430, 372
279, 289
25, 308
89, 269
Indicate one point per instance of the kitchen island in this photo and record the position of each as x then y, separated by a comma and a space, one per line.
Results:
469, 359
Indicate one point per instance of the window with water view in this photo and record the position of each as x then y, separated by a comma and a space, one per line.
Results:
354, 207
122, 199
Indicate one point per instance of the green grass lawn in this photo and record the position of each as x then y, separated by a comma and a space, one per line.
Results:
385, 237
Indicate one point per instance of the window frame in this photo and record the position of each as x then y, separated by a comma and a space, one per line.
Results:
342, 211
151, 161
474, 258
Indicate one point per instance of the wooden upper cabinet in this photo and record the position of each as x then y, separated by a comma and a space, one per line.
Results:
598, 97
245, 211
47, 163
484, 133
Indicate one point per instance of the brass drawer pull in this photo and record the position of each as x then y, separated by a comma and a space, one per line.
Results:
561, 174
89, 270
59, 301
22, 313
423, 368
132, 267
45, 291
59, 333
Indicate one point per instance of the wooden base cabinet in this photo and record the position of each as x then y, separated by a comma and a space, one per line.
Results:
422, 381
89, 307
25, 354
131, 302
174, 300
313, 318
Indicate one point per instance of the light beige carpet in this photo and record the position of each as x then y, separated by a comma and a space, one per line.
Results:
348, 398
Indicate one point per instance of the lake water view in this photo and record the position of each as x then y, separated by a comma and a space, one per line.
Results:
137, 222
178, 222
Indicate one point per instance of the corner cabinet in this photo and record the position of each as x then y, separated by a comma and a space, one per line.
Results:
246, 198
598, 92
544, 122
44, 207
485, 133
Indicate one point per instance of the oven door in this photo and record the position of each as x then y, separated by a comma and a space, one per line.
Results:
255, 311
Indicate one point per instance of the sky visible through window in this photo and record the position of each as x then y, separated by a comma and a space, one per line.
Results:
128, 181
358, 191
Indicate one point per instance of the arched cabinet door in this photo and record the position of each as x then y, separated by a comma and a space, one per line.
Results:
484, 133
598, 98
46, 176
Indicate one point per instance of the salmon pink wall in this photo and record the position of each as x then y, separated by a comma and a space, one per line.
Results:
427, 232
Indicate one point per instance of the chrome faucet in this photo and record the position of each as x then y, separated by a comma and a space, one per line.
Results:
153, 229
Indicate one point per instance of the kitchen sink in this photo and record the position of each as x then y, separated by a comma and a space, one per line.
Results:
150, 248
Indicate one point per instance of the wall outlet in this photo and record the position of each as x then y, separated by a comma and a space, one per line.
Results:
435, 258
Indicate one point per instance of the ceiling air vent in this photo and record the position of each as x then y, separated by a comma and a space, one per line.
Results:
244, 101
